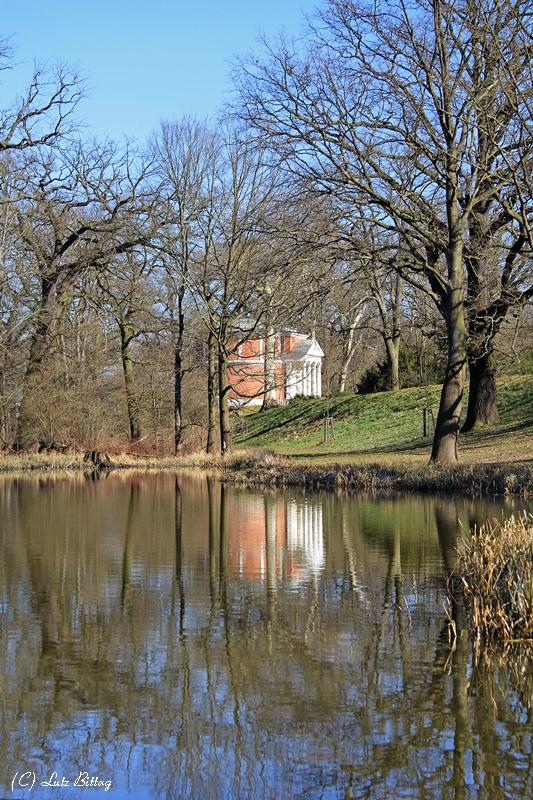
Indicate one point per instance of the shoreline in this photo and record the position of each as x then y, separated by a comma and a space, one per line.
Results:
265, 468
503, 480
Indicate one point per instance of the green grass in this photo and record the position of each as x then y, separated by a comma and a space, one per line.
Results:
389, 426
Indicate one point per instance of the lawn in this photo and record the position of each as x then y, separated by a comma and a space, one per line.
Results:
388, 426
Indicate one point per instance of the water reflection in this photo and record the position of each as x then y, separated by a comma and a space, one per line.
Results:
184, 639
279, 539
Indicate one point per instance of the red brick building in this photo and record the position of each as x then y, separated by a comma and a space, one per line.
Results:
297, 368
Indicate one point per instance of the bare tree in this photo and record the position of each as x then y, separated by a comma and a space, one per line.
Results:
230, 267
39, 118
345, 313
184, 153
402, 110
127, 288
301, 234
45, 113
82, 205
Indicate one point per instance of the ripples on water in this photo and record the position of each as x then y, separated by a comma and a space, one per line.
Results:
183, 639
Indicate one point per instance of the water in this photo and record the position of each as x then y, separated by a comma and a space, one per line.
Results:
169, 637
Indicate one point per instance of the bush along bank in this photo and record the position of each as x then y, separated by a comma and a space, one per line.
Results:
265, 468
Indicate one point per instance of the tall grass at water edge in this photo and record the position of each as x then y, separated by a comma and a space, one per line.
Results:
495, 575
264, 467
57, 462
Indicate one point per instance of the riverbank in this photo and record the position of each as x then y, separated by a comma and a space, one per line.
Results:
263, 467
377, 444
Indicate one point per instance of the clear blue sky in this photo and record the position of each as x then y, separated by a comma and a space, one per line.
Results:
145, 60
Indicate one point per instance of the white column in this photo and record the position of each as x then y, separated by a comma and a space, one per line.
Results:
319, 379
313, 379
301, 380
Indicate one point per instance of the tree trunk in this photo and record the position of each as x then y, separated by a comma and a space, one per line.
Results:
482, 399
26, 434
344, 371
349, 346
394, 353
126, 336
484, 322
392, 344
269, 399
453, 306
447, 427
211, 394
98, 459
392, 327
41, 342
223, 402
178, 372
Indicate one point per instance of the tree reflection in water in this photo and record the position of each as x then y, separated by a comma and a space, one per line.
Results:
185, 639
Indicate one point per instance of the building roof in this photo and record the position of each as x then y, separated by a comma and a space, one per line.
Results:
304, 349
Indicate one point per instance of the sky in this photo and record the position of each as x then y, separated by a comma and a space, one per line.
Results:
144, 60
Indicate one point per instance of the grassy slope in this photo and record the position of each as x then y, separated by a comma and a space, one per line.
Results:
388, 427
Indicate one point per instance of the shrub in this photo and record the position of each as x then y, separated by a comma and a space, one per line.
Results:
378, 377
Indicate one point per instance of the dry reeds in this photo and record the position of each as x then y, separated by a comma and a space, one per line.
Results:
265, 468
51, 462
496, 571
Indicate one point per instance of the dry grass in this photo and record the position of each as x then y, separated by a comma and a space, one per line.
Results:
48, 462
40, 462
266, 468
263, 466
496, 573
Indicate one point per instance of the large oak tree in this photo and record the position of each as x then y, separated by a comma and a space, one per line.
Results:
412, 112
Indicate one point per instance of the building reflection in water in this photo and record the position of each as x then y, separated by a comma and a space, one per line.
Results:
275, 538
305, 534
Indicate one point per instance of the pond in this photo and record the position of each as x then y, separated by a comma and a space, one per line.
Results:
168, 636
